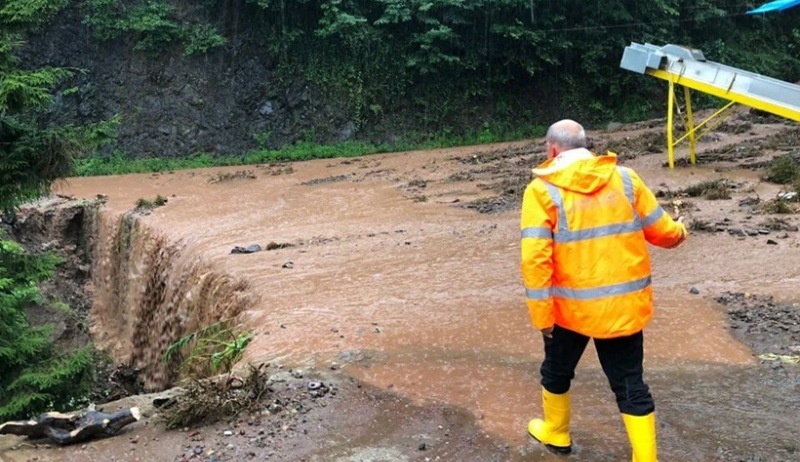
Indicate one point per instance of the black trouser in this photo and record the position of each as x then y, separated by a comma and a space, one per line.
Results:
621, 359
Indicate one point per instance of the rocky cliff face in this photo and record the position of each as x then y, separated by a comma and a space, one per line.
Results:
227, 101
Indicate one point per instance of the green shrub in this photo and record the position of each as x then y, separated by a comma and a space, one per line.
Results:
200, 38
147, 204
152, 26
778, 206
143, 203
782, 170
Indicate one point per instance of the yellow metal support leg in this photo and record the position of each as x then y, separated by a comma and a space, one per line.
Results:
718, 117
670, 110
690, 125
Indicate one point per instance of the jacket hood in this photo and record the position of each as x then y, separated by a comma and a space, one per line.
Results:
578, 170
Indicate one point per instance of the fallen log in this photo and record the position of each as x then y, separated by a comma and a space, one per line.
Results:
67, 429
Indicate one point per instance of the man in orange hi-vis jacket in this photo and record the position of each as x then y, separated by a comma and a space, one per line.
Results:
585, 227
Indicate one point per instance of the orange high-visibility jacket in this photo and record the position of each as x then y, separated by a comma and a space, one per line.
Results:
585, 263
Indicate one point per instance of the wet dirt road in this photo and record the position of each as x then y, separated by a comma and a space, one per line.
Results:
394, 280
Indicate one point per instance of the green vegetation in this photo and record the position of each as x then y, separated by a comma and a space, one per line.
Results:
778, 206
200, 38
215, 348
32, 157
455, 65
225, 177
451, 61
452, 67
35, 376
153, 26
118, 163
146, 204
782, 170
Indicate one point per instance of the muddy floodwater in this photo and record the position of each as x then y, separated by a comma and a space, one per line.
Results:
385, 269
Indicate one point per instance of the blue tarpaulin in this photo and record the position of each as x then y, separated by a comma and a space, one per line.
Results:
777, 5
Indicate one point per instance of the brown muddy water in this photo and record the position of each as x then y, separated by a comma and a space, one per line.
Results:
391, 276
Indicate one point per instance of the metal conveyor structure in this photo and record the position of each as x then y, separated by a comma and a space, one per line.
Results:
689, 68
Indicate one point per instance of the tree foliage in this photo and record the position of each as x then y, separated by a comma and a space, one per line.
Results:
35, 377
32, 156
448, 55
520, 62
153, 26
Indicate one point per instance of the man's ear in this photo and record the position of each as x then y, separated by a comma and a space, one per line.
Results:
552, 150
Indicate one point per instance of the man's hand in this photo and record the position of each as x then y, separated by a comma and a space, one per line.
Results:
548, 332
680, 219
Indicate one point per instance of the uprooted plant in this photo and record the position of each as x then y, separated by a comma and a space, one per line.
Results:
209, 400
213, 349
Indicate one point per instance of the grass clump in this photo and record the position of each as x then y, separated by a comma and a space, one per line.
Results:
711, 190
231, 176
146, 204
778, 206
143, 203
783, 170
700, 225
775, 224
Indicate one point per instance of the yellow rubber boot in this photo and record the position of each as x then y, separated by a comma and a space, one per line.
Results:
553, 431
642, 435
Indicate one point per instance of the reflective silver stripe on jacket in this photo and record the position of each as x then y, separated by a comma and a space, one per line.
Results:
627, 183
542, 232
564, 234
654, 216
538, 294
604, 291
589, 294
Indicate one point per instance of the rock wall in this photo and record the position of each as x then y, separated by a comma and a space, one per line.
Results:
222, 102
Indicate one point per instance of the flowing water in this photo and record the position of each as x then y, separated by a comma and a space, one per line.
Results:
390, 279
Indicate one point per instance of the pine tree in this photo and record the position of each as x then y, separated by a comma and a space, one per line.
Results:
32, 157
34, 377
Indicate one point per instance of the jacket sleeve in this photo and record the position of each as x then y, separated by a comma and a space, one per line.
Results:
536, 226
659, 228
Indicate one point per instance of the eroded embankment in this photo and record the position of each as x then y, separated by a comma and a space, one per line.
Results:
65, 228
150, 292
125, 285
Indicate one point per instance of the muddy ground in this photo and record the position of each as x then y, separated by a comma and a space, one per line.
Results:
393, 280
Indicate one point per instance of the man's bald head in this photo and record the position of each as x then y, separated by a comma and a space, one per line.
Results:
565, 135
